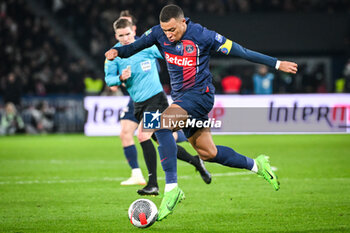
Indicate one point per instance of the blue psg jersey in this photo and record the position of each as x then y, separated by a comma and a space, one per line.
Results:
188, 59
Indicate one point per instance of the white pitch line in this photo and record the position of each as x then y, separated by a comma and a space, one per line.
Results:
55, 161
112, 179
58, 181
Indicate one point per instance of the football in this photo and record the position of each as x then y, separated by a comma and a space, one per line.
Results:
142, 213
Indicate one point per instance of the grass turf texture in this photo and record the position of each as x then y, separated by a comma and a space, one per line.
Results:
70, 183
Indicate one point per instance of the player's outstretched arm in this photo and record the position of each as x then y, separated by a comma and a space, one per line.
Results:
288, 67
235, 49
111, 54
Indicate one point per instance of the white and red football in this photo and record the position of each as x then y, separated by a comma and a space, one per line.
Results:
142, 213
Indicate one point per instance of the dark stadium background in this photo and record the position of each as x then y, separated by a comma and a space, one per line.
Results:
54, 178
49, 49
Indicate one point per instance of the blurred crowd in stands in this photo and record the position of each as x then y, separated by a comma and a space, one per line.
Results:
38, 119
99, 15
36, 62
261, 80
33, 60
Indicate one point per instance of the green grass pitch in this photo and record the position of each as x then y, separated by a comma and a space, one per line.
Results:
71, 183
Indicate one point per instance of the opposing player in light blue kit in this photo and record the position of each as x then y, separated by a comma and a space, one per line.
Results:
129, 124
140, 76
186, 47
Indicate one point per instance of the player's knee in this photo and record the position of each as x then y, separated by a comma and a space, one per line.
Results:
125, 135
143, 136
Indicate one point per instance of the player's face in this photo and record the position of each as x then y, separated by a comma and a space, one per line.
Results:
174, 29
125, 35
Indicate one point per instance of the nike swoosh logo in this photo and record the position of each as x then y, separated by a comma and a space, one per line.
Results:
171, 208
166, 44
270, 175
163, 159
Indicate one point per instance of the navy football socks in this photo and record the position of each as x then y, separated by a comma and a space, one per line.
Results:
130, 153
181, 137
183, 155
228, 157
167, 151
150, 155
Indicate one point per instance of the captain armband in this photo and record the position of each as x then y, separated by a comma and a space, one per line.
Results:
226, 47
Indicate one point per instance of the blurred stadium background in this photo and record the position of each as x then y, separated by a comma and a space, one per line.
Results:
52, 52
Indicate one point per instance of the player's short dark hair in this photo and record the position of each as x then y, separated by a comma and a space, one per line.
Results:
170, 11
121, 23
126, 13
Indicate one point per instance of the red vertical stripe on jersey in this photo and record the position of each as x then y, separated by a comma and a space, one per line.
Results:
189, 72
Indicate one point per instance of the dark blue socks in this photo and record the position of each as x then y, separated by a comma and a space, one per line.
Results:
228, 157
167, 151
150, 155
130, 153
181, 136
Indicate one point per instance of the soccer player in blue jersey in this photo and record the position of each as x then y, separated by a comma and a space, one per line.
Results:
129, 124
140, 76
186, 47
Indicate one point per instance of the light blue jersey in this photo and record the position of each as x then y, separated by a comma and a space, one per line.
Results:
144, 81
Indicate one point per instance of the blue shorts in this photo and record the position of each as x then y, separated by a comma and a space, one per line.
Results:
197, 105
128, 112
